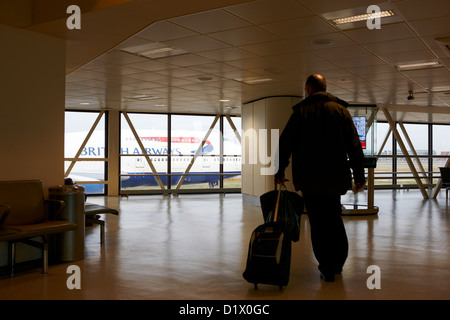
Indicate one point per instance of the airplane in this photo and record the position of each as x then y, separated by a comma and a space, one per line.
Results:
135, 170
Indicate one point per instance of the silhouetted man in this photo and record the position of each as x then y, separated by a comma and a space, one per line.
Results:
322, 140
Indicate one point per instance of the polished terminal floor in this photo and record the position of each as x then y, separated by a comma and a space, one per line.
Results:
195, 247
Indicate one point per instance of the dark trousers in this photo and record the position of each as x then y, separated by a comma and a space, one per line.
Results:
328, 236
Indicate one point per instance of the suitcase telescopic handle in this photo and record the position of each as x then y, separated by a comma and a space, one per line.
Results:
278, 198
276, 206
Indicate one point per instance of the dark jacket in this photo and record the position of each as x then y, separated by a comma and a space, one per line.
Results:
322, 139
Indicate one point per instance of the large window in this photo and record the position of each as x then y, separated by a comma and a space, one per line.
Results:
202, 153
427, 147
144, 152
415, 139
85, 150
196, 165
179, 153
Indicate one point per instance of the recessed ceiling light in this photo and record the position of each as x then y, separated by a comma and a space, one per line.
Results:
418, 65
85, 103
440, 89
224, 100
204, 78
323, 42
362, 17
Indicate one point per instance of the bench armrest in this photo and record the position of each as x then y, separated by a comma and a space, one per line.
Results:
54, 208
4, 212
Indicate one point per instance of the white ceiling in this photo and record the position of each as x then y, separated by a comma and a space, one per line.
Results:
274, 39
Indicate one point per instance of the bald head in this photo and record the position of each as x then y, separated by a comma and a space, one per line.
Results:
315, 83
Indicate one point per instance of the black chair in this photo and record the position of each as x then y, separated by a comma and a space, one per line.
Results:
445, 176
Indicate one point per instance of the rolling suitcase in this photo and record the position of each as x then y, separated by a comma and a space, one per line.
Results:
290, 208
269, 254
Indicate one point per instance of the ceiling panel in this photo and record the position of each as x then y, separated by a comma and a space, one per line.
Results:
408, 56
185, 60
277, 42
227, 54
299, 27
243, 36
321, 7
272, 48
210, 21
419, 9
393, 46
335, 39
432, 27
164, 31
353, 51
266, 11
387, 32
197, 44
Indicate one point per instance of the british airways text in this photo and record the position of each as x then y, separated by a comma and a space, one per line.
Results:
100, 151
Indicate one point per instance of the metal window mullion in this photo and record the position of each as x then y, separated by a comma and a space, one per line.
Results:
169, 151
405, 152
394, 158
430, 152
384, 142
221, 157
236, 132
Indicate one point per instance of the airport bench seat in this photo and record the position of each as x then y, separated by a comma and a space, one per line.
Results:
445, 176
92, 214
25, 214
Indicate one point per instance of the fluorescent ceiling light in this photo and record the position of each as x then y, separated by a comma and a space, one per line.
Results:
142, 97
254, 80
418, 65
440, 89
362, 17
162, 52
155, 51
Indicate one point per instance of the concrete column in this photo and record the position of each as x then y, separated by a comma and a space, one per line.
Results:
113, 152
259, 118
